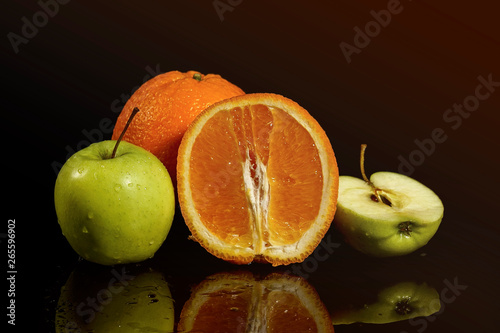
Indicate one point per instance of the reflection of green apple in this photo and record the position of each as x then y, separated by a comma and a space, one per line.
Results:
105, 299
399, 302
388, 215
114, 209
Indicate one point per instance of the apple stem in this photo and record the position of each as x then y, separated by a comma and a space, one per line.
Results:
377, 197
362, 163
197, 77
132, 115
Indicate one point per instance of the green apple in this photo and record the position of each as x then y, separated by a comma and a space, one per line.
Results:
114, 299
114, 202
389, 214
398, 302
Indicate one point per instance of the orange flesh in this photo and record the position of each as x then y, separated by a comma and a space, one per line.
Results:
224, 311
287, 314
231, 310
256, 177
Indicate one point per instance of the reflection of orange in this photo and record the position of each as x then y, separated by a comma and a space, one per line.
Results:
168, 103
238, 302
257, 180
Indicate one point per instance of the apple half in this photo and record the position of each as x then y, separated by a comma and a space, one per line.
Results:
388, 215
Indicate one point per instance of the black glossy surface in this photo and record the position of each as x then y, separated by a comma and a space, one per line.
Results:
73, 73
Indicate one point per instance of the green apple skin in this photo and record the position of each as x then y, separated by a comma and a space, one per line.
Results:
401, 301
374, 228
100, 300
114, 210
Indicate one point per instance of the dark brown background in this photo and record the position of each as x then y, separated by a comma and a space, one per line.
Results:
65, 79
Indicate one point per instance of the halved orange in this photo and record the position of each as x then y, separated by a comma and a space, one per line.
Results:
257, 180
240, 302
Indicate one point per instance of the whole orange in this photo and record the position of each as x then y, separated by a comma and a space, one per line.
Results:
168, 103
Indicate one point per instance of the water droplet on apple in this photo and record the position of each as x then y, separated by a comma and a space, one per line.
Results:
151, 242
138, 186
80, 171
85, 230
118, 187
90, 215
130, 184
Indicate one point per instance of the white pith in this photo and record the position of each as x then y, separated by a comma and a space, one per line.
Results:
257, 193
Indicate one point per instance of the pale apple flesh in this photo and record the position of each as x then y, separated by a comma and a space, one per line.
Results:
394, 215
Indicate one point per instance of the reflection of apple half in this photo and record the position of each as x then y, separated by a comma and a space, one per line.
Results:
388, 215
399, 302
